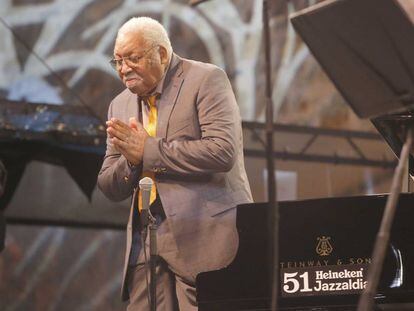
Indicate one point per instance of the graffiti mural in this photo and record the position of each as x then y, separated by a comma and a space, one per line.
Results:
57, 52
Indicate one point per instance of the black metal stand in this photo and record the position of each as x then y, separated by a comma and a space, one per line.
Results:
366, 301
153, 262
2, 231
3, 180
271, 181
149, 224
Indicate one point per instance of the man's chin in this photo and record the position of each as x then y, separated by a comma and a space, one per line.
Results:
132, 89
135, 89
138, 90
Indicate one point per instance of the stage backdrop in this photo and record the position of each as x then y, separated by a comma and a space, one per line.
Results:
57, 52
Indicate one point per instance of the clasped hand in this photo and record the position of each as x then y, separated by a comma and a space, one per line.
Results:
129, 139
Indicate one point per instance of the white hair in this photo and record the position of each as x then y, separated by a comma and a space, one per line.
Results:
151, 31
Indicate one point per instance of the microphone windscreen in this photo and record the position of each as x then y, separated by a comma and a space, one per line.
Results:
145, 183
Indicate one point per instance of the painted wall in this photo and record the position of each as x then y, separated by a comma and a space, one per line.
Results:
66, 269
73, 41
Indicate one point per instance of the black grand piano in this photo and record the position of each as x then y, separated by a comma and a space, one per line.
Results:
366, 48
324, 244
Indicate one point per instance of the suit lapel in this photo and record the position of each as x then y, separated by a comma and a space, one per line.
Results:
131, 109
169, 95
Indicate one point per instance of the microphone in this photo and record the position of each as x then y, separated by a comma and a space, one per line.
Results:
145, 185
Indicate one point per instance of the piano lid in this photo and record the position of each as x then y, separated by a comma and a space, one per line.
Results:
366, 48
392, 129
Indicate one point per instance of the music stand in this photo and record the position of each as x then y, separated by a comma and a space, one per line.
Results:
366, 47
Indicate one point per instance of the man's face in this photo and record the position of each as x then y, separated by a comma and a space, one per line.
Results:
145, 67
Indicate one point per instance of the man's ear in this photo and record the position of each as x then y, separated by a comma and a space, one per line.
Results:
163, 55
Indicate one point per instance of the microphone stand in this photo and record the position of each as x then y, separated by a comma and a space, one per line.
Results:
149, 223
273, 224
366, 301
153, 260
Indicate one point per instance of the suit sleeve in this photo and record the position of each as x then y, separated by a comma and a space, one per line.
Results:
215, 151
117, 179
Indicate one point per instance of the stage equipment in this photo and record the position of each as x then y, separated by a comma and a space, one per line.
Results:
2, 231
63, 135
366, 47
60, 135
3, 179
148, 223
319, 238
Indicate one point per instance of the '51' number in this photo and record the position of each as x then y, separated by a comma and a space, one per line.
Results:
292, 284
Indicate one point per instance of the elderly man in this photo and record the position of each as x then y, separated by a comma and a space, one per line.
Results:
177, 122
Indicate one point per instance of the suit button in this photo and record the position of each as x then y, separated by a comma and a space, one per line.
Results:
126, 178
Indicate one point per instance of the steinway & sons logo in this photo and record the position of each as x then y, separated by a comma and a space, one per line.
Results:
324, 247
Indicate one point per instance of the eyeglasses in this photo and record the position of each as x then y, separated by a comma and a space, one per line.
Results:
131, 61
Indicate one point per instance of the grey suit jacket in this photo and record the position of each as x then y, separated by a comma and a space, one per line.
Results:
197, 158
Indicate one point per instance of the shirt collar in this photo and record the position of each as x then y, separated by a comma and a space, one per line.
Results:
160, 86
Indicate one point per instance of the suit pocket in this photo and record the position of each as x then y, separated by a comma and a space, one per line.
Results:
184, 126
215, 208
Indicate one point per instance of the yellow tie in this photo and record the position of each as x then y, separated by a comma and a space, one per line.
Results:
151, 129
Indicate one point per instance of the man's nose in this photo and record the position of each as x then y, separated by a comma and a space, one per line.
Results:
124, 67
